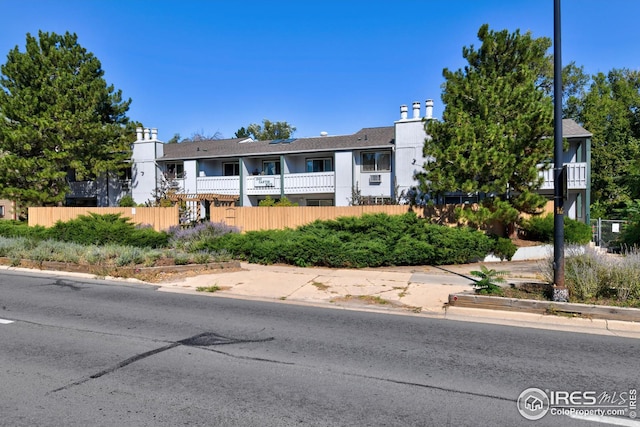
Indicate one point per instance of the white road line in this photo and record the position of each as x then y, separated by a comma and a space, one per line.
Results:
5, 321
607, 420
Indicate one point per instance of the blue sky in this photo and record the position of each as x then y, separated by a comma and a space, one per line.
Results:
321, 65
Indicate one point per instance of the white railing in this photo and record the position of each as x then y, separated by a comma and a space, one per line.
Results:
175, 184
218, 185
83, 189
263, 184
294, 183
576, 177
316, 182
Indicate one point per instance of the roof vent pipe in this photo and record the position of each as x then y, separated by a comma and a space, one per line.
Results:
403, 112
154, 134
138, 134
146, 134
429, 112
323, 133
416, 110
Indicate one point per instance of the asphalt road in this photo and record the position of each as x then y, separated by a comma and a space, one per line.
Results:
94, 353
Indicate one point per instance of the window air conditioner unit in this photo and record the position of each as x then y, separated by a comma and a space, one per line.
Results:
375, 179
174, 184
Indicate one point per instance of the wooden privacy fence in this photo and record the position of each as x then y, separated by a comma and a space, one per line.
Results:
158, 218
280, 217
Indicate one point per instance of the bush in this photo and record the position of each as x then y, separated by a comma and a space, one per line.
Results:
504, 248
11, 228
541, 229
268, 201
127, 202
577, 232
95, 229
367, 241
591, 275
191, 238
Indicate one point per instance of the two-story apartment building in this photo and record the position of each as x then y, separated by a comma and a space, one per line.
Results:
377, 164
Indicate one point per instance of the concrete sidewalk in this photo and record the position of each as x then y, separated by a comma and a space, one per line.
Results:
414, 289
421, 290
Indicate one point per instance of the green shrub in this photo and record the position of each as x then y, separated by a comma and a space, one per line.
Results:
504, 248
12, 228
367, 241
540, 228
95, 229
127, 202
130, 255
268, 201
181, 258
489, 281
577, 232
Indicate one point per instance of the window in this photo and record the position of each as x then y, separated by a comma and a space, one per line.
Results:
376, 161
174, 170
320, 202
231, 169
271, 167
125, 174
1, 211
319, 165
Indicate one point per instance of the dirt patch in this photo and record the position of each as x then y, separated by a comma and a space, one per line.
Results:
154, 274
369, 300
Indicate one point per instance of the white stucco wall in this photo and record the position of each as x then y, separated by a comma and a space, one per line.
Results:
344, 177
145, 174
410, 136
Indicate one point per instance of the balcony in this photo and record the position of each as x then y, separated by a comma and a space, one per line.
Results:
219, 185
294, 183
576, 177
82, 189
312, 182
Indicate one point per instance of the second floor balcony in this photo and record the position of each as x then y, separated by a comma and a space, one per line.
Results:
83, 189
576, 177
294, 183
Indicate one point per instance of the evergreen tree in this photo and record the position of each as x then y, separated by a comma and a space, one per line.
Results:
496, 126
57, 115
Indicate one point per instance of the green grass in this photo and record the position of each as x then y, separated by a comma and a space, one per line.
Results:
212, 288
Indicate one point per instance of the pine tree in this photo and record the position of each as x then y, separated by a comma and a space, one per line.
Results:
57, 114
494, 134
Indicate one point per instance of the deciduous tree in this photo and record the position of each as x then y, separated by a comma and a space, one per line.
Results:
57, 114
611, 111
269, 130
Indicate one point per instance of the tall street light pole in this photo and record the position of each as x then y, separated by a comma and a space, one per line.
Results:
560, 292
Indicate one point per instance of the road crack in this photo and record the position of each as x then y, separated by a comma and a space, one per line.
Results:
202, 341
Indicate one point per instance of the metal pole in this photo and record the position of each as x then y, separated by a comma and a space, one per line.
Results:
560, 292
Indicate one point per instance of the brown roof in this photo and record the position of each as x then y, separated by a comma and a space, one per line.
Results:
571, 129
380, 137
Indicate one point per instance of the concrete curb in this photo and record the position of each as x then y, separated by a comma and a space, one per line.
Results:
545, 307
542, 321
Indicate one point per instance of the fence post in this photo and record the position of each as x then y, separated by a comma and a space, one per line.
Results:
599, 232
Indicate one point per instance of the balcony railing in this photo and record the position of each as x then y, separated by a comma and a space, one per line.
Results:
83, 189
263, 184
219, 185
316, 182
294, 183
576, 177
